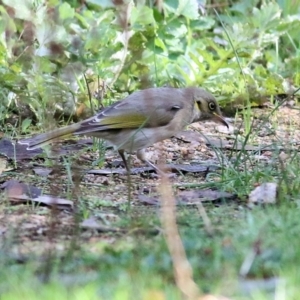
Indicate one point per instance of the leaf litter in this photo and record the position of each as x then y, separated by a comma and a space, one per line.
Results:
191, 155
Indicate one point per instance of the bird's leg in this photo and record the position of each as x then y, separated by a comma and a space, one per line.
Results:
122, 154
141, 155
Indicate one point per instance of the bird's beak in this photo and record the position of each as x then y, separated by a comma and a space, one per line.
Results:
218, 118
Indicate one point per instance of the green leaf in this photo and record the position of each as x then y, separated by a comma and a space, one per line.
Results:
198, 62
159, 43
66, 11
142, 15
202, 23
82, 20
102, 3
274, 84
171, 5
268, 16
45, 65
25, 124
188, 8
176, 29
174, 55
184, 75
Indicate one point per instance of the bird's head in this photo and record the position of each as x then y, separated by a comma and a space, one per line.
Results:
207, 107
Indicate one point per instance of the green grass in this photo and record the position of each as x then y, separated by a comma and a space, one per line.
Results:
136, 264
133, 265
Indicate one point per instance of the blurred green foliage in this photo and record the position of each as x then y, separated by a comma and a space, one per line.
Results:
50, 51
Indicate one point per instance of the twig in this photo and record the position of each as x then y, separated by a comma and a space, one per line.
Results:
183, 272
205, 218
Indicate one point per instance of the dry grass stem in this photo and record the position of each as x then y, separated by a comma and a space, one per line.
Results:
207, 223
182, 269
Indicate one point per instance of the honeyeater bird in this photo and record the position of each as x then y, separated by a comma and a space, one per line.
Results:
141, 119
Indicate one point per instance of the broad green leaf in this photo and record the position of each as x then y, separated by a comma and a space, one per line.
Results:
197, 61
244, 7
207, 57
202, 23
267, 16
102, 3
184, 75
66, 11
45, 65
25, 124
296, 78
171, 5
82, 20
142, 15
176, 29
175, 45
159, 43
188, 8
274, 84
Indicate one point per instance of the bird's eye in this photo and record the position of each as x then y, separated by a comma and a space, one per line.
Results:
212, 106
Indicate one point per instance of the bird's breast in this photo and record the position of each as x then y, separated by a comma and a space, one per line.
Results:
132, 140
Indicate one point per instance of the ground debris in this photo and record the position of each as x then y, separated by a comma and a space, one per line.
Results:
190, 197
266, 193
17, 193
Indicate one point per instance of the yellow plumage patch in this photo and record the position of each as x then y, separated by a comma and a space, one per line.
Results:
197, 106
124, 121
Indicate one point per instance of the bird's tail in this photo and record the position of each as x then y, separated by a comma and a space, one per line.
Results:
50, 136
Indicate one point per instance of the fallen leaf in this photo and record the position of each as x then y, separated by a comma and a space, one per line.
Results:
196, 196
191, 136
190, 197
44, 172
120, 171
16, 151
266, 193
15, 188
18, 192
149, 200
43, 199
194, 168
54, 201
13, 150
93, 223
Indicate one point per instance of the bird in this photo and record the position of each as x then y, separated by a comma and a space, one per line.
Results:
140, 120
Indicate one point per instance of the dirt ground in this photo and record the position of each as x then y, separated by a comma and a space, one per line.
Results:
99, 201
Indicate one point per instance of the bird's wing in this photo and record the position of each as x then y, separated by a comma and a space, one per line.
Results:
134, 112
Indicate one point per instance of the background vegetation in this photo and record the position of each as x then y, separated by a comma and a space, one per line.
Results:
243, 51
